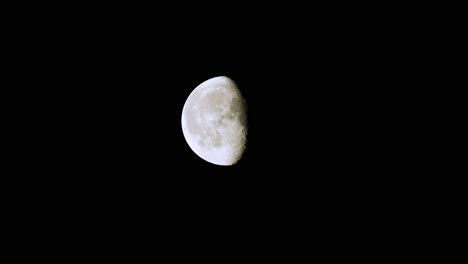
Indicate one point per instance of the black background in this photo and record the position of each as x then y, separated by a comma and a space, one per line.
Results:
346, 153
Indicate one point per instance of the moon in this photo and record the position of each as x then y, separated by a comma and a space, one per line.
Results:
214, 121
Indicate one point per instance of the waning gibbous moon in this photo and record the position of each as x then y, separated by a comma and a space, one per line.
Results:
214, 121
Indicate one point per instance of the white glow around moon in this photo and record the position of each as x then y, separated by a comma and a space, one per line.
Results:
214, 121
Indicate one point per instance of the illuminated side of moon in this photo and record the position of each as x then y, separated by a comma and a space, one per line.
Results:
214, 121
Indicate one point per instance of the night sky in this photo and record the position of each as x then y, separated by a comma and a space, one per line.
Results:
342, 158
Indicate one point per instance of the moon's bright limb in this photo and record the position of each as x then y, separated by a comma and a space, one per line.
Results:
214, 121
